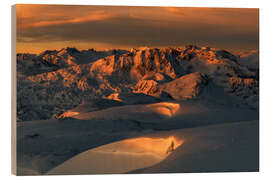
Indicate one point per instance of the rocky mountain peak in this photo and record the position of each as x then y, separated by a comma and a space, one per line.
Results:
68, 51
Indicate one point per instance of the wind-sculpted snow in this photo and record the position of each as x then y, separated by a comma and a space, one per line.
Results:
144, 112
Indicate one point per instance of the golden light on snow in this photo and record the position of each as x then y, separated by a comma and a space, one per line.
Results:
157, 146
68, 114
114, 96
121, 157
165, 108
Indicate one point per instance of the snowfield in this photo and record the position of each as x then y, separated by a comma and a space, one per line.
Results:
218, 148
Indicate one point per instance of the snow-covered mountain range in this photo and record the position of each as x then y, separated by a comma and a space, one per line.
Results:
55, 81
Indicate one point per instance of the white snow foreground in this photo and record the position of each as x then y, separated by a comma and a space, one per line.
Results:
219, 148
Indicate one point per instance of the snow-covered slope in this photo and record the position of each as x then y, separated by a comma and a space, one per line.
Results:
46, 144
219, 148
249, 59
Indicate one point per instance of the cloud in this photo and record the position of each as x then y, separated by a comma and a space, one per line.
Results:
94, 16
130, 32
222, 16
31, 16
139, 26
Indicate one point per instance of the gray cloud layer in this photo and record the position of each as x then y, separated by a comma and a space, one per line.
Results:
129, 31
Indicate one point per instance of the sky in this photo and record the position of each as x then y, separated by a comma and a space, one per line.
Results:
43, 27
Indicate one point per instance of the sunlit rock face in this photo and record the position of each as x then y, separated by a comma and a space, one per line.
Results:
149, 87
121, 157
136, 64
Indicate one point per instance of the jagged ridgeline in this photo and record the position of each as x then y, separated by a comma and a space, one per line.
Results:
52, 82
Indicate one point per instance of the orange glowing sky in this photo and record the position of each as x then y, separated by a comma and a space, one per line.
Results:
41, 27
